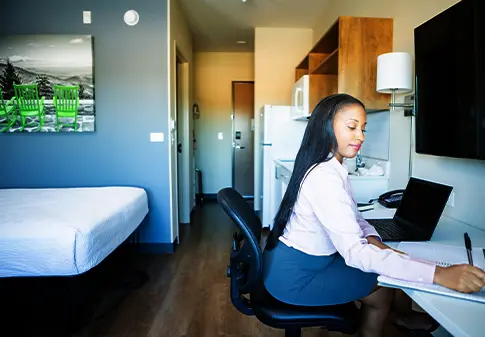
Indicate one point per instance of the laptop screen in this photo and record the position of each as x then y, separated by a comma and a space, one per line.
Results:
423, 203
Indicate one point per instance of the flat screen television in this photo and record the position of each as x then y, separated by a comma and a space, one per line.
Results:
450, 82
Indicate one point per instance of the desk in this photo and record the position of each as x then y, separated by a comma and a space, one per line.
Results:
459, 317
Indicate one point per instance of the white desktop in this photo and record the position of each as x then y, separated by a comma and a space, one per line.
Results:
461, 318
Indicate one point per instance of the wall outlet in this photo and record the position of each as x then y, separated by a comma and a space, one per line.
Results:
451, 199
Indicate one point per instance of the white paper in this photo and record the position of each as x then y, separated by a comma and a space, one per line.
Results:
379, 213
443, 255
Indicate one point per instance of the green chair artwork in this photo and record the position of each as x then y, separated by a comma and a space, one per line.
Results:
29, 104
66, 103
8, 113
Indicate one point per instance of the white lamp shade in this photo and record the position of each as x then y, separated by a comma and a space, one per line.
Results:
394, 72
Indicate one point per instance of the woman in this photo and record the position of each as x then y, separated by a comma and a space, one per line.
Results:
320, 250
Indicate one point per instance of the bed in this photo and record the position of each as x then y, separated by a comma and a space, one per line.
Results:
65, 231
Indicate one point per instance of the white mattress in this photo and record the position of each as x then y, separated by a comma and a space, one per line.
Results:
65, 231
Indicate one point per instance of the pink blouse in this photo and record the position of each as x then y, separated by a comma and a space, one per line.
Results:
326, 220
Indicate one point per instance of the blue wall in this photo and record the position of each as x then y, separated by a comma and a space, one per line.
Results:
131, 84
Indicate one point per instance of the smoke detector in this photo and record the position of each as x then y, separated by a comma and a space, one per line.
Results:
131, 17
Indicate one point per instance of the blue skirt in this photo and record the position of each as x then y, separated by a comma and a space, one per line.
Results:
297, 278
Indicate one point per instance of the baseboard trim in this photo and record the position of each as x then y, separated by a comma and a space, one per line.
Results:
156, 247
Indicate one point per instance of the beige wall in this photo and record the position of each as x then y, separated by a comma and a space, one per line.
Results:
277, 52
180, 38
214, 73
464, 175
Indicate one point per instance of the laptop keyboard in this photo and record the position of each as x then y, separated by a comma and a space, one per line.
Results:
388, 226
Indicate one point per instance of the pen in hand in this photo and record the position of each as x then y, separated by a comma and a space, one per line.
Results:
468, 246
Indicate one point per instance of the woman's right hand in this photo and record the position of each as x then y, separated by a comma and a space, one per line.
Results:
464, 278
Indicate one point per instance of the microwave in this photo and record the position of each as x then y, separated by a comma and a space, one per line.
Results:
301, 96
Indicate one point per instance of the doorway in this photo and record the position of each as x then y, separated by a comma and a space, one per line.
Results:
243, 137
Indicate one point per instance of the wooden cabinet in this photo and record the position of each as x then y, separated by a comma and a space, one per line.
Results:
344, 60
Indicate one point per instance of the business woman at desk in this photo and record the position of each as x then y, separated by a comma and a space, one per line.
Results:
320, 250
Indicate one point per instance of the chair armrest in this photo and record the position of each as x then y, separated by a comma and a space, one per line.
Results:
10, 101
42, 99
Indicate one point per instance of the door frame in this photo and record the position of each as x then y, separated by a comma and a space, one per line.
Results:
173, 141
233, 130
183, 116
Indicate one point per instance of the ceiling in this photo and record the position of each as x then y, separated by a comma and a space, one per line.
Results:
217, 25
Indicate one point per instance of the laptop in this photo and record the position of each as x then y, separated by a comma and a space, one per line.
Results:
418, 214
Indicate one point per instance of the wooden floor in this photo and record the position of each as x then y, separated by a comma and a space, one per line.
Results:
187, 294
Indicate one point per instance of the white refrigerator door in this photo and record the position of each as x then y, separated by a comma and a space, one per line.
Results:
282, 132
267, 211
259, 160
281, 137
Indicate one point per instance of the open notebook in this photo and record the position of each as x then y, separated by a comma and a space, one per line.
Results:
444, 255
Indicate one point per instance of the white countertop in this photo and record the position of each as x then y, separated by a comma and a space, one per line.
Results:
289, 164
286, 163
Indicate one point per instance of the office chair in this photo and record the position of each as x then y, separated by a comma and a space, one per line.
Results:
246, 270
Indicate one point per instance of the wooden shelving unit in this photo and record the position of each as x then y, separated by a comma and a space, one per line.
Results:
344, 60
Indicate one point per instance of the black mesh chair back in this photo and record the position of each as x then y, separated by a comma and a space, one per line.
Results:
246, 273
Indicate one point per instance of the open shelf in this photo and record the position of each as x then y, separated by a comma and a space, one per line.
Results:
328, 66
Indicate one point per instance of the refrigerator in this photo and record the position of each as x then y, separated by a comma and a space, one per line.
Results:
278, 137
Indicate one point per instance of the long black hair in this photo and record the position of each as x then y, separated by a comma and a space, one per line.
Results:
317, 144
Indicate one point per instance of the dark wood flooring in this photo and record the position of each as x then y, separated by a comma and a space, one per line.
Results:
187, 294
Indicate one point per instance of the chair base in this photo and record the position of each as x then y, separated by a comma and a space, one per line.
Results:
292, 332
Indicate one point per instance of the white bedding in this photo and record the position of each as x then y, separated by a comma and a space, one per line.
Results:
65, 231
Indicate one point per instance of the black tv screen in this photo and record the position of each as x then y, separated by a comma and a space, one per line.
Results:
450, 82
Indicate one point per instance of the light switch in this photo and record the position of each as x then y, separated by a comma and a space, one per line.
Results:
219, 135
86, 17
156, 137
